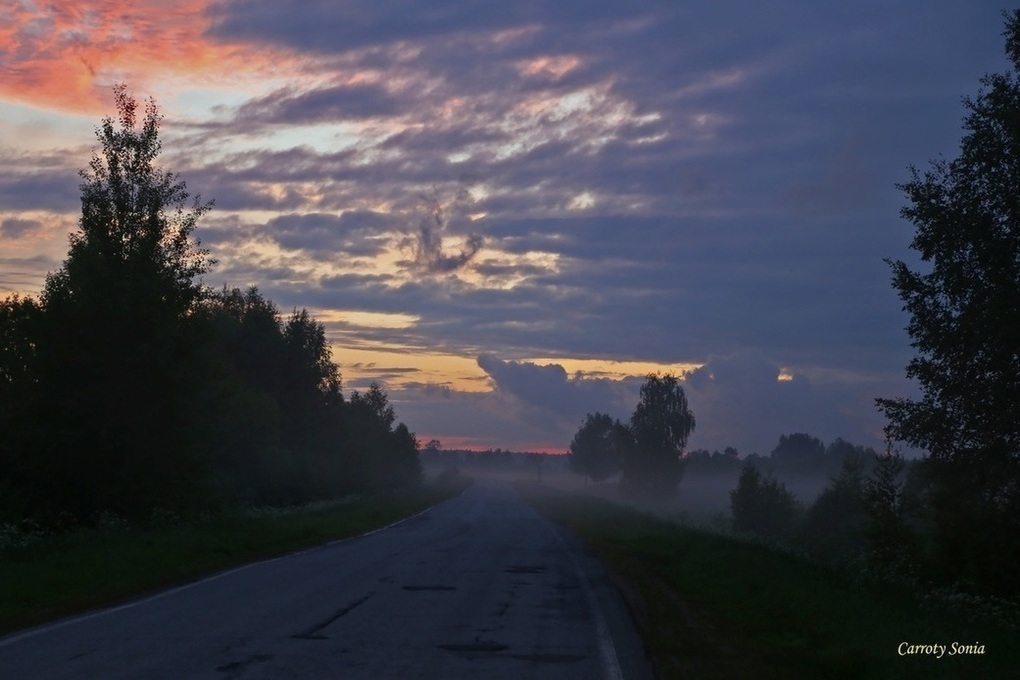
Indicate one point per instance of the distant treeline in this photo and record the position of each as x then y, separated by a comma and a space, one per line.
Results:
795, 455
493, 459
129, 386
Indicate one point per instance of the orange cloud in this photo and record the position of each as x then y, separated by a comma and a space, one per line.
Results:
66, 54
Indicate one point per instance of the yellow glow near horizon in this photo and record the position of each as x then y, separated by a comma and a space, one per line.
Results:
365, 319
462, 373
616, 370
447, 370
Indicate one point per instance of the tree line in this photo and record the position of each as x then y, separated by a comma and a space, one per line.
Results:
129, 385
952, 517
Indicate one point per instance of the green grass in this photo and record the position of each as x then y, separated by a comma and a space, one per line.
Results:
710, 606
87, 569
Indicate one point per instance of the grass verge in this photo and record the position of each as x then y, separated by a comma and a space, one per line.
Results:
710, 606
87, 569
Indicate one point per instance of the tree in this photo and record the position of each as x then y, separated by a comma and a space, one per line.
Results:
19, 320
834, 525
135, 232
762, 505
799, 453
659, 426
383, 456
964, 308
595, 450
891, 540
117, 359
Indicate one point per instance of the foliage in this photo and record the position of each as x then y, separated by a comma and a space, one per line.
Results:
130, 386
595, 450
833, 528
115, 370
965, 325
798, 451
383, 455
762, 504
890, 538
659, 427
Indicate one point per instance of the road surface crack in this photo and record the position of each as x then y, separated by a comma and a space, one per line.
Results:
313, 633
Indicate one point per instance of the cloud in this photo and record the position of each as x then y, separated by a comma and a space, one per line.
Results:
547, 395
29, 189
17, 228
747, 401
648, 181
743, 400
355, 233
326, 104
426, 241
67, 55
21, 274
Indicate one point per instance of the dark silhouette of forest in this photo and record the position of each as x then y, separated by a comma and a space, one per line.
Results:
130, 387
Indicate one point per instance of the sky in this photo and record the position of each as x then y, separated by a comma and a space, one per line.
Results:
508, 213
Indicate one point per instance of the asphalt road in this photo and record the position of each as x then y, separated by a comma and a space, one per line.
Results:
477, 587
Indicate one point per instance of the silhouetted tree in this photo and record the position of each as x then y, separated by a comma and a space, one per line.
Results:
595, 450
892, 542
762, 505
19, 327
117, 366
964, 308
834, 525
383, 456
799, 453
660, 426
